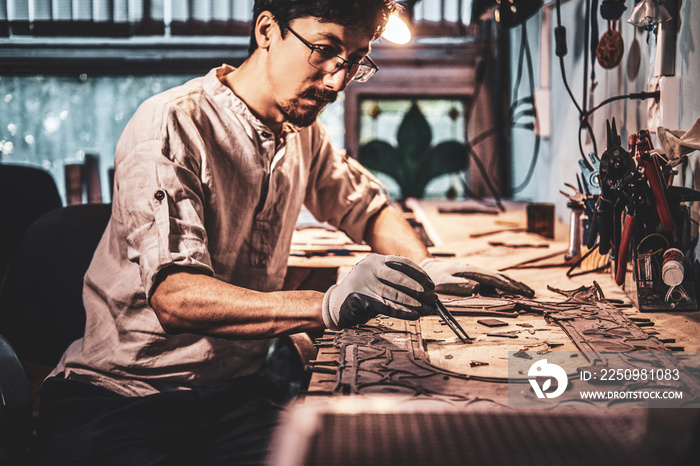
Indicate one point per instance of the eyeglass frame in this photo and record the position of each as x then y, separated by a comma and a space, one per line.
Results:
344, 64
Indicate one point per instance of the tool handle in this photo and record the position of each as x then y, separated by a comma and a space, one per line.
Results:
593, 233
574, 249
653, 173
605, 224
632, 142
627, 231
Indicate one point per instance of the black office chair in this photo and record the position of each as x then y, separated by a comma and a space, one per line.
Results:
41, 310
26, 193
16, 424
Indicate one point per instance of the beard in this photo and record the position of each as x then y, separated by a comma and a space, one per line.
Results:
303, 115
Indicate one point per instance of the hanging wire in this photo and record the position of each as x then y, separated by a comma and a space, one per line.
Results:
525, 45
561, 51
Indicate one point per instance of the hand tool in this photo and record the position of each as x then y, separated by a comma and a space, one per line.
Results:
451, 322
590, 175
577, 205
652, 169
588, 198
586, 217
576, 197
678, 194
615, 163
623, 248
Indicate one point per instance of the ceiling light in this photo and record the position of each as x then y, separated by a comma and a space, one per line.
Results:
397, 31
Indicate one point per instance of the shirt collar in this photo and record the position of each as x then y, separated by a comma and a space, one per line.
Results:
224, 96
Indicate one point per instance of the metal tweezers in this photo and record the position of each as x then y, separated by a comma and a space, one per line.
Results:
451, 322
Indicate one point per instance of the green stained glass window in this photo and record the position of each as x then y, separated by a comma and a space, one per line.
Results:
381, 119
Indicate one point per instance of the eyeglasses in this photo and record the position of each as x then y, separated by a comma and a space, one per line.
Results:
323, 58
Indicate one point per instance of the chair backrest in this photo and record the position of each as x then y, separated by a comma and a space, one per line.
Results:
26, 193
15, 408
41, 304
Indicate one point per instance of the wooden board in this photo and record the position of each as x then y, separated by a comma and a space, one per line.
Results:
533, 334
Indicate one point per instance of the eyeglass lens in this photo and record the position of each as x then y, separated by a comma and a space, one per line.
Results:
331, 63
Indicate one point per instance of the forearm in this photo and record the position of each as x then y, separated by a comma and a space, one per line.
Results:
196, 303
389, 233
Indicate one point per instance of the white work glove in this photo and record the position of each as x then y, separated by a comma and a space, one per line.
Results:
389, 285
465, 280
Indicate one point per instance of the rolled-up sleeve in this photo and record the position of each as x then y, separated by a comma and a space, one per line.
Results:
160, 208
340, 190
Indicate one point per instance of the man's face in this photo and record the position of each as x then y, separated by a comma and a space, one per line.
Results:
302, 90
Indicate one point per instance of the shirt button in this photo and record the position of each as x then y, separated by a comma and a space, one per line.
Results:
159, 195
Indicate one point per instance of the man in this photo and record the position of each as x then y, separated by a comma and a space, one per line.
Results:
182, 295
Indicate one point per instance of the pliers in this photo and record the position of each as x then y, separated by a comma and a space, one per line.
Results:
642, 144
615, 164
577, 198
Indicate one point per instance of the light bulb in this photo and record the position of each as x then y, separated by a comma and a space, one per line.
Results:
397, 31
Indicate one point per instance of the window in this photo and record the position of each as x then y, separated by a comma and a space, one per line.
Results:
56, 121
125, 17
72, 72
380, 119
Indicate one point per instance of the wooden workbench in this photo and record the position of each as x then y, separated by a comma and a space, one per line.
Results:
517, 252
407, 392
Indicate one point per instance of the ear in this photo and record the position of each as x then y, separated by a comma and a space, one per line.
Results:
264, 27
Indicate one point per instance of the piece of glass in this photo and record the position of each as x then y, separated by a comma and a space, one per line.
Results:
380, 120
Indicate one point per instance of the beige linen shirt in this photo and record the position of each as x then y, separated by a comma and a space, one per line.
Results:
200, 182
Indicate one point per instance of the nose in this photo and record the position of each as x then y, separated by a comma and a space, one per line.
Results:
336, 81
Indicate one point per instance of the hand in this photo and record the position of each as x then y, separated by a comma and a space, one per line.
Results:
465, 280
389, 285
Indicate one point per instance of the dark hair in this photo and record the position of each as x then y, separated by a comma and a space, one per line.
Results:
372, 14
